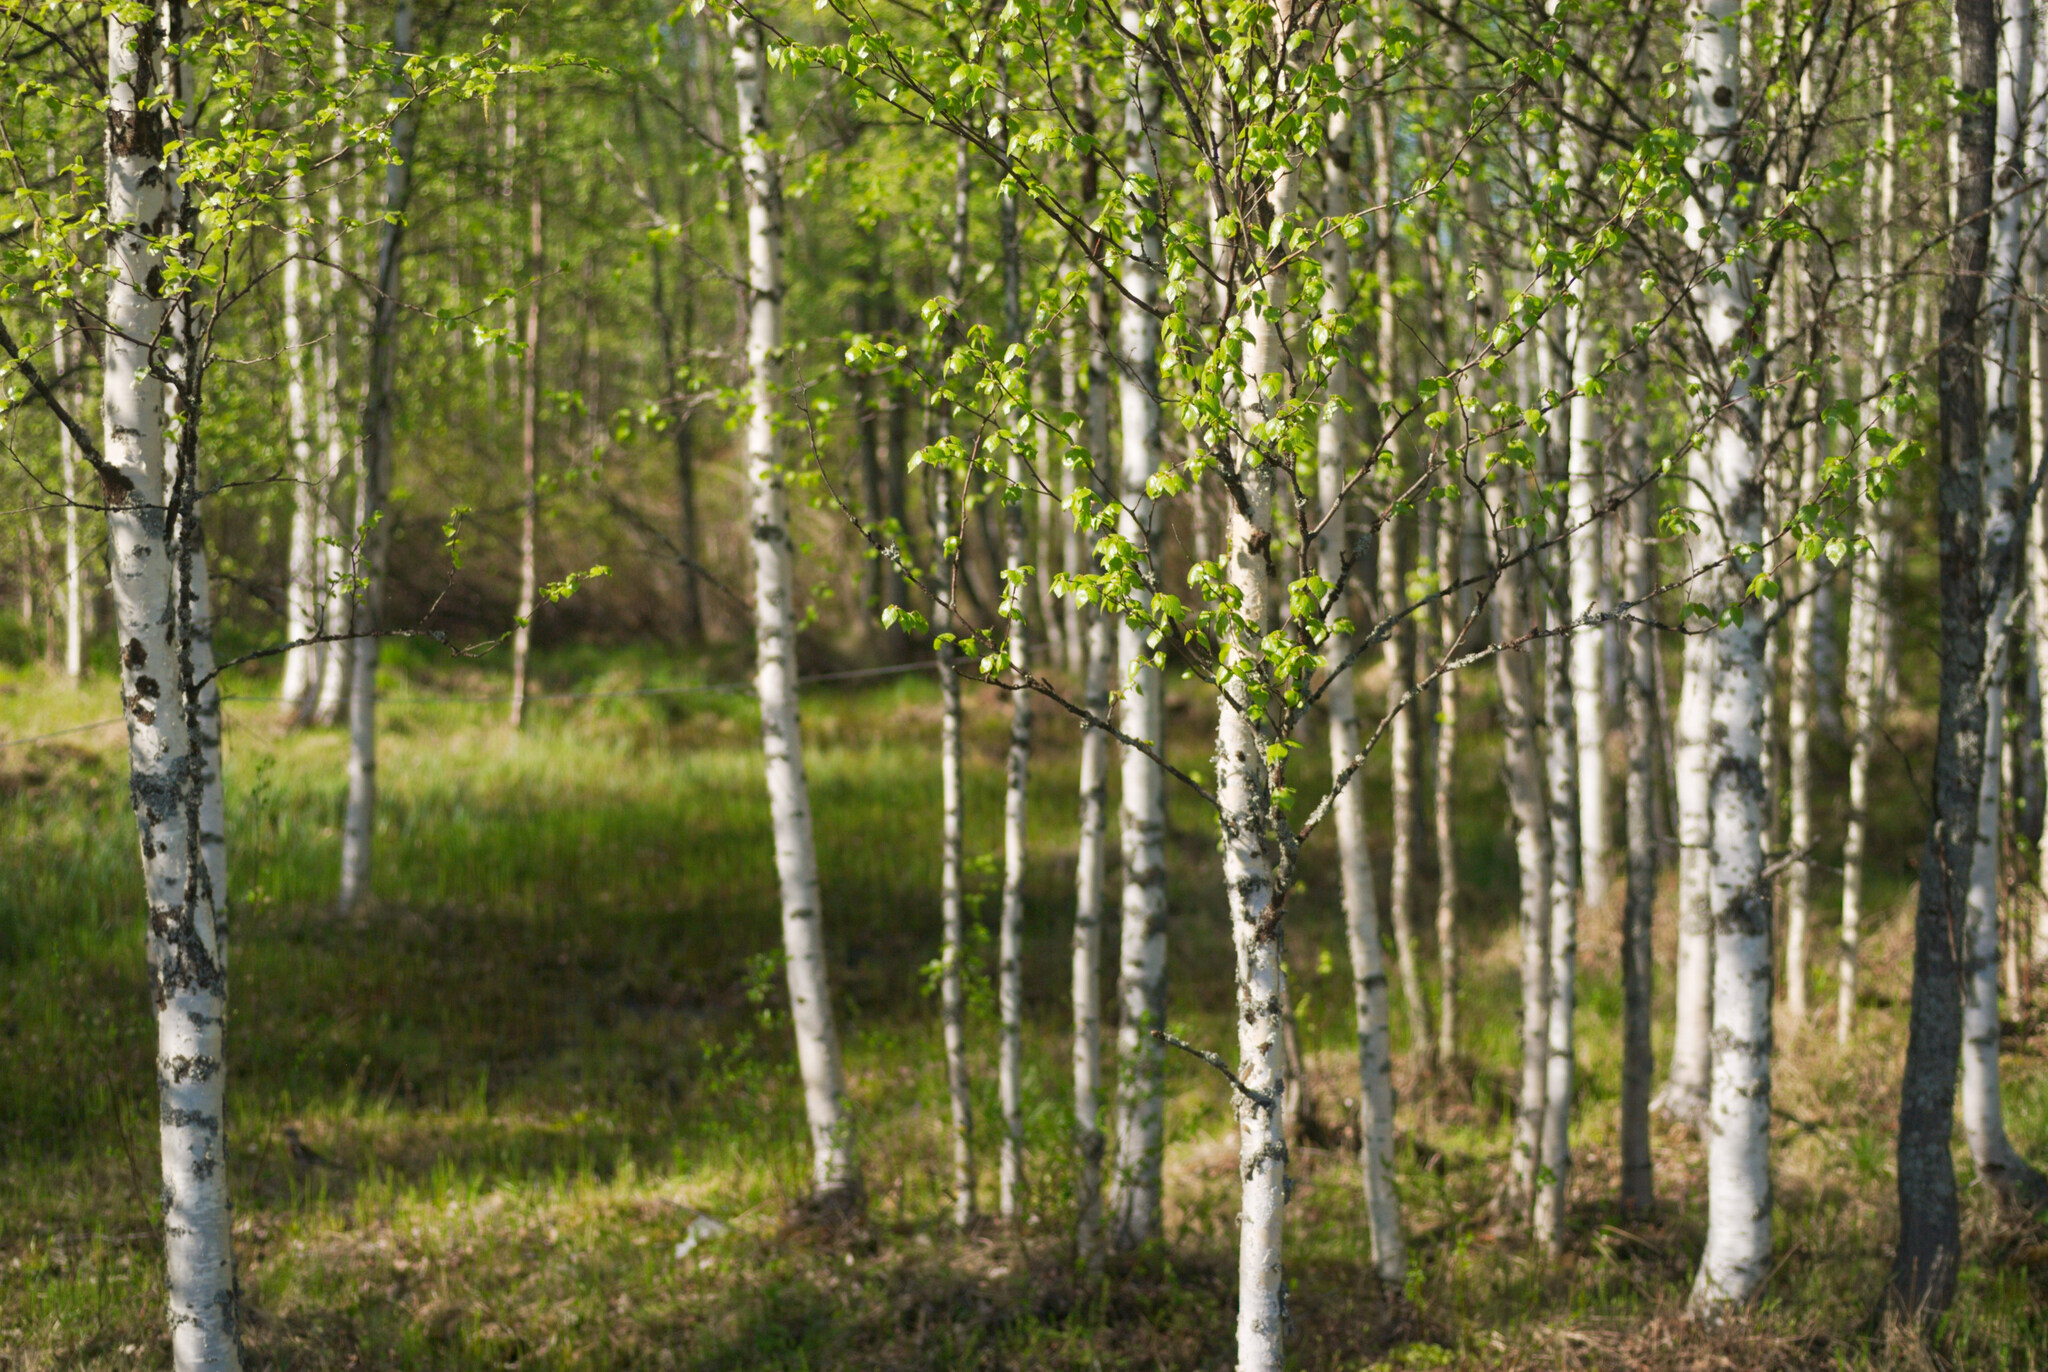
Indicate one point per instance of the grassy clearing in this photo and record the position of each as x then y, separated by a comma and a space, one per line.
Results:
555, 1041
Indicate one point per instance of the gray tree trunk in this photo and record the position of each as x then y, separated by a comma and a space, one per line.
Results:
359, 819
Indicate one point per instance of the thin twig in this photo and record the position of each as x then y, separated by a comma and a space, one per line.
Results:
1263, 1101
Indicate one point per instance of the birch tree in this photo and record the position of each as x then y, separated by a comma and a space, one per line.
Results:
301, 676
1348, 820
2037, 404
1738, 1244
1638, 959
1998, 1163
334, 560
1135, 1196
1799, 725
1587, 678
529, 421
1089, 877
952, 988
1091, 630
149, 532
1395, 558
835, 1171
359, 818
1010, 939
1222, 312
1924, 1265
1566, 806
1244, 809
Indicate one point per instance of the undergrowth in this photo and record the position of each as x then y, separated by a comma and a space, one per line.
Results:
535, 1107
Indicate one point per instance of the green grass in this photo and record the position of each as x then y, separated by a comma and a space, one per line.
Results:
556, 1038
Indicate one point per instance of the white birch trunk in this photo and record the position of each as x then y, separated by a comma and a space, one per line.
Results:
1403, 759
336, 566
1450, 626
1684, 1095
1244, 805
1522, 768
1799, 747
1090, 633
191, 585
1588, 647
301, 598
1016, 780
1866, 703
952, 991
1981, 1106
336, 562
529, 439
1089, 874
1354, 858
185, 934
1738, 1241
1135, 1202
1561, 790
1560, 1058
359, 818
835, 1172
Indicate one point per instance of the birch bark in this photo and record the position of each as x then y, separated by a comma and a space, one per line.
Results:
1799, 747
1395, 556
300, 678
1566, 809
1088, 900
151, 555
529, 434
1010, 941
1354, 857
1245, 806
952, 992
1684, 1094
1866, 700
336, 561
359, 819
1092, 632
1560, 1059
1738, 1243
835, 1170
1450, 619
1588, 651
1998, 1163
1135, 1200
1522, 767
191, 585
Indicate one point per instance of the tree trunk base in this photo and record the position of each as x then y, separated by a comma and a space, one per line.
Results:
830, 1208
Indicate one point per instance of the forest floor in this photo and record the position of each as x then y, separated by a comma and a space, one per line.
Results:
534, 1107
